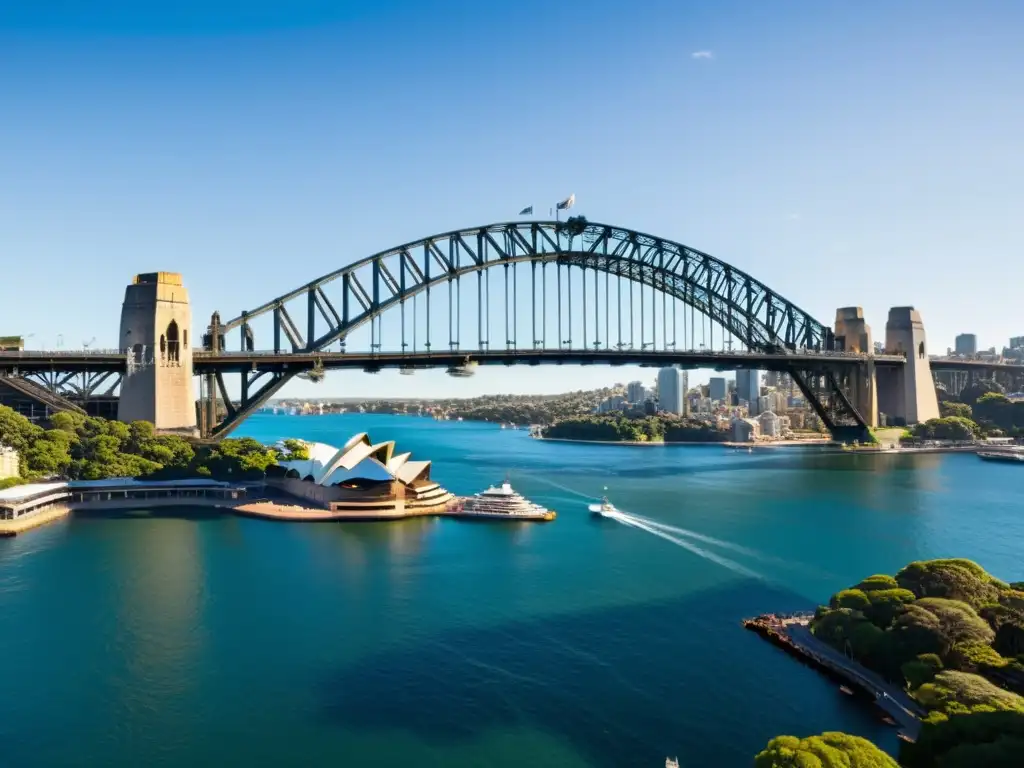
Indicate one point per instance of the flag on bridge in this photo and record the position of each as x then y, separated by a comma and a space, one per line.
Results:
566, 204
527, 211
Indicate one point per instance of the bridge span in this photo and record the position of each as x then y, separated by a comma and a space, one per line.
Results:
513, 293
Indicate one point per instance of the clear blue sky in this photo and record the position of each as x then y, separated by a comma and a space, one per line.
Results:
864, 153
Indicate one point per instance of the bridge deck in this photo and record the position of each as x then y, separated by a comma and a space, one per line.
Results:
228, 361
26, 362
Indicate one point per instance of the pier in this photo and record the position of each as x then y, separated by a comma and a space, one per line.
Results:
793, 635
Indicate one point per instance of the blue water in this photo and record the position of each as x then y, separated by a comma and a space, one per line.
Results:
190, 638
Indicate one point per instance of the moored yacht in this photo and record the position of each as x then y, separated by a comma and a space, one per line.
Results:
1011, 455
500, 503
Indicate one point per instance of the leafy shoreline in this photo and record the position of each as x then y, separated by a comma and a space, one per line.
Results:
78, 447
953, 635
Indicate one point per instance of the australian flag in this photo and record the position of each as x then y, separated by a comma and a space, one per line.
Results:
527, 211
567, 203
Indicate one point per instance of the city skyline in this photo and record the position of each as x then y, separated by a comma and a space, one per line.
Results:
255, 154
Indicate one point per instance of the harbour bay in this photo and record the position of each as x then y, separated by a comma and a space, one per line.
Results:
187, 636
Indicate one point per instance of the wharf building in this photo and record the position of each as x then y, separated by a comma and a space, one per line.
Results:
25, 501
361, 479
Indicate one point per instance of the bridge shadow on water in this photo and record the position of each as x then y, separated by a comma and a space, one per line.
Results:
625, 685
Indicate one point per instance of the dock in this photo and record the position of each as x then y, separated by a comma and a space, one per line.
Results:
793, 635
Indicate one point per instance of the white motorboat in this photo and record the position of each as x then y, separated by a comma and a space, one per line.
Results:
604, 509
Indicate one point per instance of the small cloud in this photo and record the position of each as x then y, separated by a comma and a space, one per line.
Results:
702, 55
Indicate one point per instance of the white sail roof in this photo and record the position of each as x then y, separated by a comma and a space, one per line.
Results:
358, 458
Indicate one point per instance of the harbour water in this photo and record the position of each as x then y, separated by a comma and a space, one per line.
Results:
188, 638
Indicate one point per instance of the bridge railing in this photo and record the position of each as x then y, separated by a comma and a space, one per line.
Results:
37, 353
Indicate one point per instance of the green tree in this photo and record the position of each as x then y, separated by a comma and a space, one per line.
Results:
829, 750
884, 605
854, 599
952, 691
957, 620
922, 669
878, 581
956, 579
294, 450
48, 455
961, 410
981, 738
15, 429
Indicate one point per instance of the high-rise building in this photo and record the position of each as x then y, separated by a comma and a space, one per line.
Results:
717, 388
966, 344
635, 392
748, 386
671, 388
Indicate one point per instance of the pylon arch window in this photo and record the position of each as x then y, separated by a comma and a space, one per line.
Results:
172, 342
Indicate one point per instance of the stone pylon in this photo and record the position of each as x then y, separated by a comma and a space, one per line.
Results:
907, 395
855, 335
156, 325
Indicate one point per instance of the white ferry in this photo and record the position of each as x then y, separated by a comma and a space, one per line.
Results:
501, 503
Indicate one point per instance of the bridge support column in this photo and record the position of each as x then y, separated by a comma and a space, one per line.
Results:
854, 334
907, 394
156, 321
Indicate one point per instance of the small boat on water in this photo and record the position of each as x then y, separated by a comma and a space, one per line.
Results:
671, 762
604, 509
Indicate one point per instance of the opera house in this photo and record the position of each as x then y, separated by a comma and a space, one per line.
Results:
361, 479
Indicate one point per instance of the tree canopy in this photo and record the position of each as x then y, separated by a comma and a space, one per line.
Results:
80, 447
831, 749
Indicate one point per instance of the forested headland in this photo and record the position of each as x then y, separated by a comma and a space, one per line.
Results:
953, 636
619, 428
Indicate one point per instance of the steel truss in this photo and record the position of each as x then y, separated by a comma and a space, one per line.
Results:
78, 386
340, 302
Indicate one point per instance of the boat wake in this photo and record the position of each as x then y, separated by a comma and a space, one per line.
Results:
635, 521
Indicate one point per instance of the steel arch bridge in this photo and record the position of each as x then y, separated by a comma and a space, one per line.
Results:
586, 258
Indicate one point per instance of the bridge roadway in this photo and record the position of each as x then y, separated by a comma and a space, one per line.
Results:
204, 361
31, 362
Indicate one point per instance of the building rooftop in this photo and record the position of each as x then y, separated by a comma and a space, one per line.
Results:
131, 482
21, 492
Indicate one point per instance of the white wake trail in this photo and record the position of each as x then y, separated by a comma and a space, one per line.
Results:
559, 486
740, 550
725, 562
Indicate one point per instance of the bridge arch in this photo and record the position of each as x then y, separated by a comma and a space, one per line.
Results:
738, 302
334, 305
